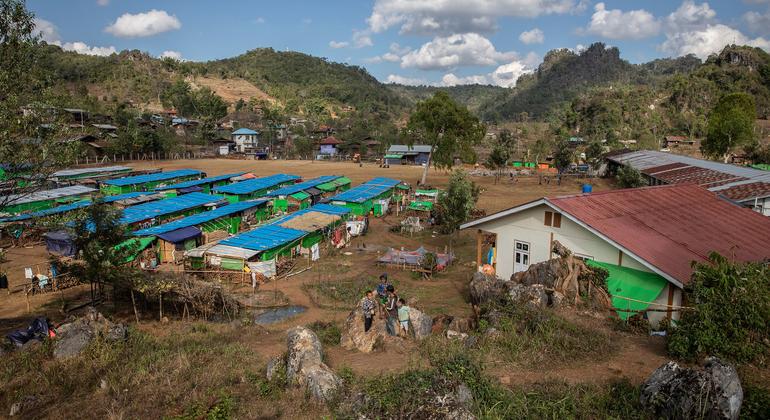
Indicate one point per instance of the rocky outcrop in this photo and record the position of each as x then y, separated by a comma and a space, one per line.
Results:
713, 392
305, 366
486, 289
422, 324
74, 336
353, 335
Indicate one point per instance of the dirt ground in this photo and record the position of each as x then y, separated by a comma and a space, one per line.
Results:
445, 294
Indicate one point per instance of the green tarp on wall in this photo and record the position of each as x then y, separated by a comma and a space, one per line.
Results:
630, 283
140, 243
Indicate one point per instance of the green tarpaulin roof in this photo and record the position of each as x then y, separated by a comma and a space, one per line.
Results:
300, 195
393, 156
333, 185
625, 282
141, 245
421, 205
432, 193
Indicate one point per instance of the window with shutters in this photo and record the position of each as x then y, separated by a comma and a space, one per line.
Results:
552, 219
557, 220
548, 218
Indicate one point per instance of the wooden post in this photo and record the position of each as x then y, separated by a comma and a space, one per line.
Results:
133, 303
620, 258
478, 248
670, 300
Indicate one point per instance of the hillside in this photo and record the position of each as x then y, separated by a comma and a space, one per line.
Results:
472, 96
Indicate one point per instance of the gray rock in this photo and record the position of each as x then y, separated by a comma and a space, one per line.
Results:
456, 335
531, 295
713, 392
273, 366
463, 395
485, 288
305, 366
27, 403
462, 324
353, 335
422, 324
73, 337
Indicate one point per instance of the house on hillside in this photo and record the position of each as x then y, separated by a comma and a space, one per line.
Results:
401, 154
675, 141
222, 146
329, 146
246, 140
646, 238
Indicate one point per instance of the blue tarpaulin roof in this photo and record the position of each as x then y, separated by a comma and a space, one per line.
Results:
291, 189
163, 207
179, 235
201, 218
256, 184
367, 190
160, 176
196, 182
244, 131
264, 238
69, 207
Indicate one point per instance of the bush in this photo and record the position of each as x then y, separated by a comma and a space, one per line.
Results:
328, 333
732, 312
629, 177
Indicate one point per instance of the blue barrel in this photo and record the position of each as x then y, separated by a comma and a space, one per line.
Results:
587, 188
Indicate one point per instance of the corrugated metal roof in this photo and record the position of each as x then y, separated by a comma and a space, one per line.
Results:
168, 206
291, 189
388, 182
199, 251
320, 208
403, 148
196, 182
264, 237
160, 176
677, 169
244, 131
114, 198
747, 192
15, 199
201, 218
231, 252
670, 226
256, 184
48, 212
81, 171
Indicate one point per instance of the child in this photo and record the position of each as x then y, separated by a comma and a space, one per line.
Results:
403, 316
382, 288
367, 306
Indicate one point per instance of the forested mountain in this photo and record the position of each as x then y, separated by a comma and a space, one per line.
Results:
472, 96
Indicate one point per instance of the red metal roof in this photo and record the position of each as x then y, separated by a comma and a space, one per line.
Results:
747, 191
330, 140
669, 226
661, 168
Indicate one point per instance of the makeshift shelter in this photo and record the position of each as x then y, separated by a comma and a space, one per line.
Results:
632, 290
372, 196
148, 182
228, 218
413, 259
197, 185
138, 247
172, 244
195, 258
42, 200
255, 188
82, 173
60, 242
338, 185
300, 195
149, 214
269, 240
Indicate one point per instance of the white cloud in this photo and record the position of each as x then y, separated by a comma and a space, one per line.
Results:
508, 74
362, 39
708, 40
50, 34
394, 54
758, 22
617, 24
83, 48
259, 20
340, 44
452, 16
176, 55
103, 2
690, 15
450, 79
534, 36
47, 31
402, 80
143, 24
455, 50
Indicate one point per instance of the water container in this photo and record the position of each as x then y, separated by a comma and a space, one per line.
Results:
587, 188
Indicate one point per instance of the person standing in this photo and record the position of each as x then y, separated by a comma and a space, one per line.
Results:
403, 316
391, 308
367, 307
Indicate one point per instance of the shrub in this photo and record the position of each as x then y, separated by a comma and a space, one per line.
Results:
328, 333
629, 177
732, 312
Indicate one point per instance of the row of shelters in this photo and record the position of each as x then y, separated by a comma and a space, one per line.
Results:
373, 196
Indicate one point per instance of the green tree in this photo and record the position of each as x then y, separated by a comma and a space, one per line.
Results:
97, 235
498, 160
732, 312
448, 128
629, 177
564, 156
730, 124
458, 201
209, 105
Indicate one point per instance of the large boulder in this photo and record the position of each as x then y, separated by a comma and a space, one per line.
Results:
353, 335
305, 366
713, 392
422, 324
486, 288
74, 336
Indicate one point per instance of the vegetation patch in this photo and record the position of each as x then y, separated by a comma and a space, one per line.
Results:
327, 332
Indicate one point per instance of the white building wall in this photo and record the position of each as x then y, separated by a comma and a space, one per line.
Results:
528, 226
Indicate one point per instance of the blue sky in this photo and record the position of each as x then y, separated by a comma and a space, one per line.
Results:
440, 42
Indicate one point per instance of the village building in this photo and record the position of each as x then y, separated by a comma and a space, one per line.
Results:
146, 215
747, 186
255, 188
204, 185
373, 197
647, 238
329, 146
401, 154
223, 146
246, 140
304, 194
46, 199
